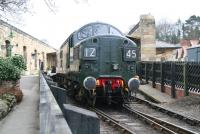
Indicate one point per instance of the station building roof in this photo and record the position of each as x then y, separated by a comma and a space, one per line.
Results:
164, 45
195, 46
23, 33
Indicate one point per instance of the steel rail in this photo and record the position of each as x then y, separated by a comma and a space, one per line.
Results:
112, 120
188, 120
164, 126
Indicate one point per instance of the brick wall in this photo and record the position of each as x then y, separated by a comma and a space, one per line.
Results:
179, 91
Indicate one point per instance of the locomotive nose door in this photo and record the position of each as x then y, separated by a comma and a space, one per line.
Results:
109, 56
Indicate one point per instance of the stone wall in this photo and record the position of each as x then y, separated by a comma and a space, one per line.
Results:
147, 29
165, 55
52, 120
179, 91
147, 34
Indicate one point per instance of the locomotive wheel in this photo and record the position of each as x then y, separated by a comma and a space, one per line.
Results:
125, 95
109, 100
68, 85
79, 95
91, 99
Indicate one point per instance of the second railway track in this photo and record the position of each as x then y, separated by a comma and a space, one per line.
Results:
160, 124
138, 113
150, 105
174, 121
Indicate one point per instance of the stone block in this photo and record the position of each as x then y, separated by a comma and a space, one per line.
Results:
52, 120
59, 94
81, 121
50, 82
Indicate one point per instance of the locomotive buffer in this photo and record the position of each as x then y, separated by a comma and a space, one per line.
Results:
133, 85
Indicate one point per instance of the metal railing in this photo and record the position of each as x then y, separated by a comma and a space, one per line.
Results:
184, 75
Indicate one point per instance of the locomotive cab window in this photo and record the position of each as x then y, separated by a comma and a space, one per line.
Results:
114, 31
96, 29
85, 33
100, 29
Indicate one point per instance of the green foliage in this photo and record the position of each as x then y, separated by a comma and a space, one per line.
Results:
19, 62
192, 27
11, 68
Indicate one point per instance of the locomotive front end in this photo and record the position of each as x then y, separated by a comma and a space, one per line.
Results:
110, 60
96, 61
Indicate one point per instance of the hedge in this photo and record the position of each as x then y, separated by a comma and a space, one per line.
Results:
11, 67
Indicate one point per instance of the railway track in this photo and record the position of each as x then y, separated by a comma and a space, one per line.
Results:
159, 124
160, 119
176, 122
113, 122
123, 122
188, 120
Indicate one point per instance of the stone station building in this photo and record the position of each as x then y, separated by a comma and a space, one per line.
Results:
34, 51
144, 34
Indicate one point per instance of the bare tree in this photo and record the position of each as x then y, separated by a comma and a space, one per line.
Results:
10, 10
51, 5
13, 6
166, 31
81, 1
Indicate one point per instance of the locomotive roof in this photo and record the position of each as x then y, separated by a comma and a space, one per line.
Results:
97, 28
93, 29
93, 24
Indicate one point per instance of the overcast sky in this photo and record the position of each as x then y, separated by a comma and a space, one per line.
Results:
72, 14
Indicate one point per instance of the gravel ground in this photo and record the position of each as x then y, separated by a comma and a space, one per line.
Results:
128, 120
107, 129
189, 106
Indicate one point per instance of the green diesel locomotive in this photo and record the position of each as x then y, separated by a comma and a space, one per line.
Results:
96, 62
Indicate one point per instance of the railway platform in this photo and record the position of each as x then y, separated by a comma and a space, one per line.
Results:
24, 118
155, 94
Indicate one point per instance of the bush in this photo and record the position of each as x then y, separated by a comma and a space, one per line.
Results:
19, 62
11, 68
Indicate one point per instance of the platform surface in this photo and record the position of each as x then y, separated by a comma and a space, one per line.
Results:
24, 118
155, 94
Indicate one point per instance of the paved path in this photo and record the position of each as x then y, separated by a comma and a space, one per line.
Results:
155, 94
24, 118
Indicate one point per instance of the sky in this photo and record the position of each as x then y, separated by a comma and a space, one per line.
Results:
69, 15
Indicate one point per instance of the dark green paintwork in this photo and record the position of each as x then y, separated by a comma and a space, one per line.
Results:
110, 50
